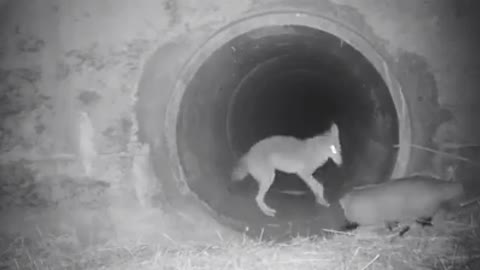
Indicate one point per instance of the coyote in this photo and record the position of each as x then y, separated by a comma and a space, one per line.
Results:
290, 155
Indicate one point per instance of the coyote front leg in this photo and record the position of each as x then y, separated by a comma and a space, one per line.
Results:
316, 187
264, 182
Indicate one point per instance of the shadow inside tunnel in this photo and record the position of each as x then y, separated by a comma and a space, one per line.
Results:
297, 214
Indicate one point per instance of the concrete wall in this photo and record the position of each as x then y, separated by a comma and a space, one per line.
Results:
59, 58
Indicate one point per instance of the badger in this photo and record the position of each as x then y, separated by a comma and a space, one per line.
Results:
410, 199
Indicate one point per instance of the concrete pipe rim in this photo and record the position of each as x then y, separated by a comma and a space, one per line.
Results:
278, 18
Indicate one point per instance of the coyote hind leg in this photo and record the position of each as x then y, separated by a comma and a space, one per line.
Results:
265, 180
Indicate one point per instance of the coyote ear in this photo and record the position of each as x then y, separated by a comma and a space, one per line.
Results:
334, 128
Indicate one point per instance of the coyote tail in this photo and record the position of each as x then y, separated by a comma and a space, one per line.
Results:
240, 171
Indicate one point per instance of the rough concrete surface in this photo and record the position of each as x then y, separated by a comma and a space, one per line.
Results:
58, 58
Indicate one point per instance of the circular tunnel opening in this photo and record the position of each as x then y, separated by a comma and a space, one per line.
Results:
284, 80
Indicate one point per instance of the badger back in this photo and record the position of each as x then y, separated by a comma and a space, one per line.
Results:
423, 192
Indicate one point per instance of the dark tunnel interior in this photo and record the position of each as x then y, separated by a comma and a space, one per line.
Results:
284, 80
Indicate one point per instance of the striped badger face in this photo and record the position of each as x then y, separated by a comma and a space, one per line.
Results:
361, 208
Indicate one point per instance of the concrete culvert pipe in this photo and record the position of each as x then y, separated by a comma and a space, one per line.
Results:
249, 82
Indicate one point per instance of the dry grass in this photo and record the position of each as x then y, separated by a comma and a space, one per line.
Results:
452, 244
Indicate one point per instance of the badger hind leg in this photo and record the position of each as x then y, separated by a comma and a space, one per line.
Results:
349, 226
404, 230
424, 221
391, 225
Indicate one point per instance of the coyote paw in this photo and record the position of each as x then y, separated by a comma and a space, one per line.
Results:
268, 211
322, 201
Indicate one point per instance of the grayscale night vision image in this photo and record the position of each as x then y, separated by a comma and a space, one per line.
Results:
182, 134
